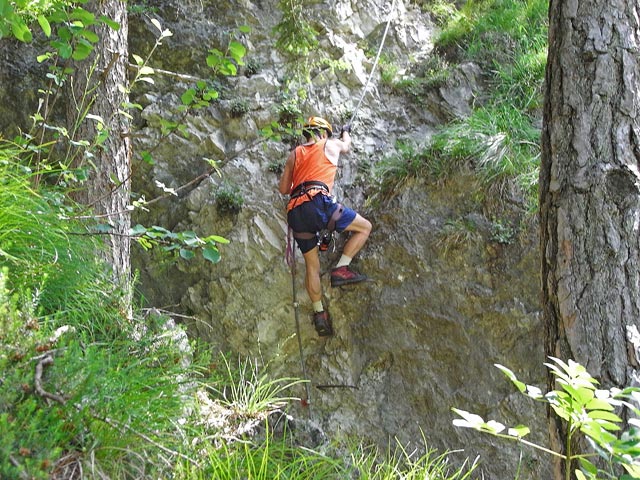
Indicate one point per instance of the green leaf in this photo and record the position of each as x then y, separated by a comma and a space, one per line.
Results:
212, 254
603, 415
44, 25
82, 51
84, 16
129, 106
137, 230
214, 58
188, 96
216, 238
112, 24
244, 28
191, 242
237, 50
186, 254
519, 431
89, 35
611, 427
44, 57
633, 470
599, 404
159, 231
5, 9
147, 158
144, 243
587, 466
20, 30
138, 59
511, 376
227, 68
581, 394
65, 34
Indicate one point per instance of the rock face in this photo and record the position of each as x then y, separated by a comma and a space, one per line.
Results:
442, 305
423, 335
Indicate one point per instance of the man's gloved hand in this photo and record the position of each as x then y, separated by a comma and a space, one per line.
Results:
345, 128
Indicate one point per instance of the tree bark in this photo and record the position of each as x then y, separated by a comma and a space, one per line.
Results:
590, 186
108, 187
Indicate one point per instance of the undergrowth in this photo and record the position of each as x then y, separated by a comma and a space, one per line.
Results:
91, 388
84, 387
500, 139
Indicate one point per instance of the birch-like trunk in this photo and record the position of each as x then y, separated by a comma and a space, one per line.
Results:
108, 187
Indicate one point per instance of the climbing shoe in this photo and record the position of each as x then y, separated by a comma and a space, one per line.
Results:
345, 276
322, 324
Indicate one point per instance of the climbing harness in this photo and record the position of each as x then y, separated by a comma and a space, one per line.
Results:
325, 236
305, 187
375, 62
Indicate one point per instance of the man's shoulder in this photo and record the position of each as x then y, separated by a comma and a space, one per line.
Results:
337, 145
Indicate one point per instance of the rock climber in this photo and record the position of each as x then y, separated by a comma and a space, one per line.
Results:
308, 178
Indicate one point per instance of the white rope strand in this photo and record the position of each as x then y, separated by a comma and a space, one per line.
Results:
375, 62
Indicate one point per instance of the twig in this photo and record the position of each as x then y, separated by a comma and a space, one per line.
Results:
179, 76
48, 360
17, 464
117, 425
105, 73
167, 312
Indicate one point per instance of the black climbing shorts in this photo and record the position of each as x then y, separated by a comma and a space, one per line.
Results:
313, 216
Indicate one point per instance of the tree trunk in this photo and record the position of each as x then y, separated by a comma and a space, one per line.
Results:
108, 187
590, 186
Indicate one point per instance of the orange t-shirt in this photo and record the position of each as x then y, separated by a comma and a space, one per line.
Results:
311, 163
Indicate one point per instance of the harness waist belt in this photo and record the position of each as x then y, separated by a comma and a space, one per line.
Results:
302, 189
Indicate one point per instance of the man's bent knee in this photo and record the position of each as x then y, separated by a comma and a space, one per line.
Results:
360, 225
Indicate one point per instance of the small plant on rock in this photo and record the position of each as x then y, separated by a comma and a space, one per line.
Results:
229, 199
239, 107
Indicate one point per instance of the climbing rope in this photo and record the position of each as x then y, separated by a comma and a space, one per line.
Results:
291, 260
291, 253
375, 63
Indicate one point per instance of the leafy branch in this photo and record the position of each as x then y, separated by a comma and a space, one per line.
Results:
585, 409
185, 242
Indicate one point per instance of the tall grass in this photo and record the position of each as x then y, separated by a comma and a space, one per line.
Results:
251, 392
105, 399
44, 249
277, 458
402, 463
271, 459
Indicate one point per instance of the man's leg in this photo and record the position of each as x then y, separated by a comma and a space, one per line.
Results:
321, 320
360, 229
312, 275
